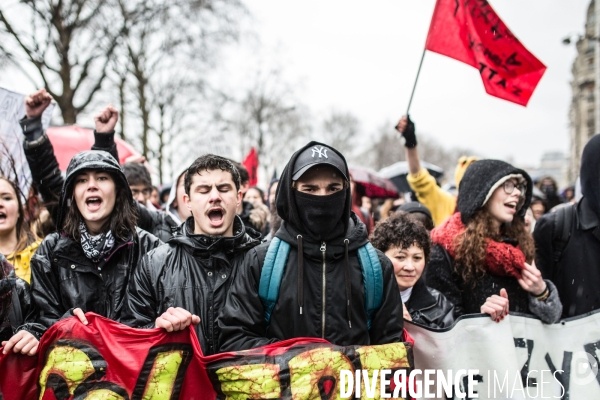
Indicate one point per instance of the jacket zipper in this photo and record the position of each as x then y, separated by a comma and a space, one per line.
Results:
323, 249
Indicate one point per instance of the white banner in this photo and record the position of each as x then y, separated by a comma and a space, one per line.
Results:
518, 358
12, 109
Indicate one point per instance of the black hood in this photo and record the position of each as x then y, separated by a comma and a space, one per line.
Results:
243, 238
590, 173
480, 180
285, 200
90, 159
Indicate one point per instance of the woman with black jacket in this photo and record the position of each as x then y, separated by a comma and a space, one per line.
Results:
483, 255
18, 330
406, 243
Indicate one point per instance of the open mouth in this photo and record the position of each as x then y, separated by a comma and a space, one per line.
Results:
511, 205
215, 216
93, 203
2, 217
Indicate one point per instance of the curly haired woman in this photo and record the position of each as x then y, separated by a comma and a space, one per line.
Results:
483, 255
406, 243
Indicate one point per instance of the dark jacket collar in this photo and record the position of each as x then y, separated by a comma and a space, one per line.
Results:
243, 238
420, 298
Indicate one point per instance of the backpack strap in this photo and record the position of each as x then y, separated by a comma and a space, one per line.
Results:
271, 274
562, 230
372, 279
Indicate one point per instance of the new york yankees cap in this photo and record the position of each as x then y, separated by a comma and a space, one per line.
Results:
316, 155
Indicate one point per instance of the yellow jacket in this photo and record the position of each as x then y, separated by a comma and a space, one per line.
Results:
440, 203
21, 260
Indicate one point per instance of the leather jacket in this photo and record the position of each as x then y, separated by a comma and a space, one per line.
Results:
429, 307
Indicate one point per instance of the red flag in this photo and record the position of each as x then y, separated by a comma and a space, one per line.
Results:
470, 31
251, 164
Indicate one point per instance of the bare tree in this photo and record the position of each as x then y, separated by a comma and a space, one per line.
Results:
168, 50
64, 45
340, 130
270, 118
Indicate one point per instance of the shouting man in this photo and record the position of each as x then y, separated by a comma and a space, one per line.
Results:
187, 280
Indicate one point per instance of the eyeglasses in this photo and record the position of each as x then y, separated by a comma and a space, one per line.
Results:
509, 187
136, 192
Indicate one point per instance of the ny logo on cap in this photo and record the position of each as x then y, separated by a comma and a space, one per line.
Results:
321, 151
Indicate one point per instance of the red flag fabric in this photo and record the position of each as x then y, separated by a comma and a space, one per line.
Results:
108, 360
470, 31
251, 164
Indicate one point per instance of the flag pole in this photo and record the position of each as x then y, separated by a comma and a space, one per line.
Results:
416, 80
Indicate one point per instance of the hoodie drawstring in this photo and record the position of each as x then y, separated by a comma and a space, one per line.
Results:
300, 273
348, 285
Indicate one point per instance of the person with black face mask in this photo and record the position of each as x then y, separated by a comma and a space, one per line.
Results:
567, 241
320, 286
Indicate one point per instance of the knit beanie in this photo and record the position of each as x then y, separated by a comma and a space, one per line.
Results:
481, 179
461, 167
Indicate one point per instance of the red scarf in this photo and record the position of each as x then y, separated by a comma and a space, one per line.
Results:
501, 259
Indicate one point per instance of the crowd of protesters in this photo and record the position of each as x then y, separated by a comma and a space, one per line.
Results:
307, 257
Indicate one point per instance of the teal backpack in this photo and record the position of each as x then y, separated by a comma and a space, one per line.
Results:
276, 260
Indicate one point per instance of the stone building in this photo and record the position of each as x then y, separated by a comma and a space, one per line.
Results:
583, 114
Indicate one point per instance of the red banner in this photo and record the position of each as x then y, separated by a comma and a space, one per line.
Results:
251, 164
108, 360
470, 31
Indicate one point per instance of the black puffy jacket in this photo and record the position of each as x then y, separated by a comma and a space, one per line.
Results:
22, 313
63, 278
429, 307
193, 272
49, 181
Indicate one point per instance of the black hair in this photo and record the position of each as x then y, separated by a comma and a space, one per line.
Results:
123, 218
401, 231
137, 174
210, 162
244, 176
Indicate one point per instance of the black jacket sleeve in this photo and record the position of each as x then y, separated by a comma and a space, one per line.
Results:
388, 322
544, 249
42, 163
29, 312
140, 309
106, 142
159, 223
44, 284
242, 320
440, 276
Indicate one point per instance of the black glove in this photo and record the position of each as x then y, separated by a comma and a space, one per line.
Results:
410, 138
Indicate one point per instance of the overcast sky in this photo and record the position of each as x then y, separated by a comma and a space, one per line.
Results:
363, 57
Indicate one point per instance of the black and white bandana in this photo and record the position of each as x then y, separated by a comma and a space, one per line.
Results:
95, 247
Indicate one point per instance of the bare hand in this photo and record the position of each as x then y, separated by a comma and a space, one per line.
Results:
531, 279
135, 159
402, 124
22, 342
106, 120
496, 306
405, 313
36, 103
78, 312
176, 319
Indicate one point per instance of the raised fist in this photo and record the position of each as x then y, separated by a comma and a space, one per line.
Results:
106, 120
36, 103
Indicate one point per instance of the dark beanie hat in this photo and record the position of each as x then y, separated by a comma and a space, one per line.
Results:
481, 179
